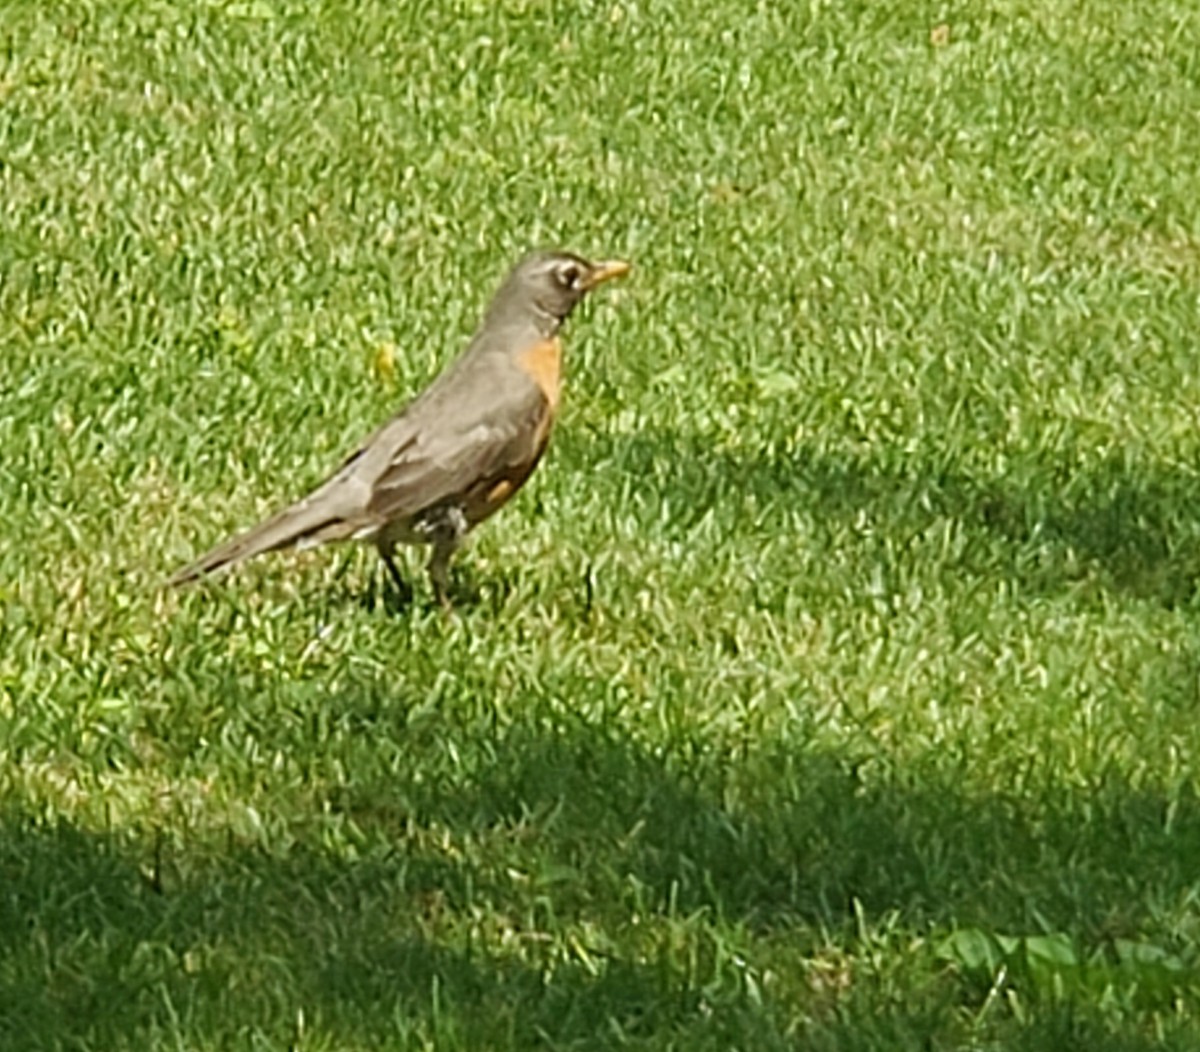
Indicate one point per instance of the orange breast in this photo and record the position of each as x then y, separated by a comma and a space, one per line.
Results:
491, 495
542, 363
500, 492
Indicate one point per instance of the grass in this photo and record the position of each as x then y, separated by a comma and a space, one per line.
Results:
834, 683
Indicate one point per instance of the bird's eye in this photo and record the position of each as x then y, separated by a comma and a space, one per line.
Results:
569, 275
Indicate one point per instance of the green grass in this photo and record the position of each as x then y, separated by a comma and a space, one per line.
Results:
833, 685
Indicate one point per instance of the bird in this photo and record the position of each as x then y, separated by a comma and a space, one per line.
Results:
456, 453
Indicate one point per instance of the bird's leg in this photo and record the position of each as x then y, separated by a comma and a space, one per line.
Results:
385, 553
446, 536
439, 572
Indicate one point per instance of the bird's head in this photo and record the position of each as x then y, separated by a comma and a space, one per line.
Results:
551, 284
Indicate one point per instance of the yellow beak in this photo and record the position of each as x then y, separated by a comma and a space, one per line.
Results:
606, 271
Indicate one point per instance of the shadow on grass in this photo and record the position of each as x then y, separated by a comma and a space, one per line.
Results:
1048, 524
439, 917
569, 888
1117, 525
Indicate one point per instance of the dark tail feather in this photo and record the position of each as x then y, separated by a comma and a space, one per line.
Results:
284, 530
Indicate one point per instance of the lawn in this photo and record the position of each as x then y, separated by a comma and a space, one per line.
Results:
834, 684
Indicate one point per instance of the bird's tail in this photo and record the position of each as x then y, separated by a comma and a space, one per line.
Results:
306, 521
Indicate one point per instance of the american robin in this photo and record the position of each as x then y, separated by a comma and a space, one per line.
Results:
459, 451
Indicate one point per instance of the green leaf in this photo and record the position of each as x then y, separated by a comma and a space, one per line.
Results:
971, 948
1054, 949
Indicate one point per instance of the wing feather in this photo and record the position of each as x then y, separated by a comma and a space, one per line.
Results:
450, 465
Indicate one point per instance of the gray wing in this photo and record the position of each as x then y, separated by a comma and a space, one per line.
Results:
441, 449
